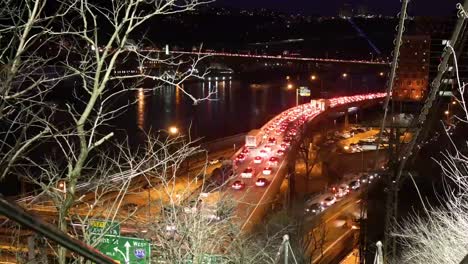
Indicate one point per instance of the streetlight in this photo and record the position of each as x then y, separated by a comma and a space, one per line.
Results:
173, 130
290, 86
447, 112
313, 77
381, 73
344, 75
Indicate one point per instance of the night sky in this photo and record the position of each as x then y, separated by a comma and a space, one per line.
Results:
331, 7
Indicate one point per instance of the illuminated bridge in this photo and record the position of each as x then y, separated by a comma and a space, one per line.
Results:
276, 57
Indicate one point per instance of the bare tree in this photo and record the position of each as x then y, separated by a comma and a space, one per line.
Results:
439, 235
79, 169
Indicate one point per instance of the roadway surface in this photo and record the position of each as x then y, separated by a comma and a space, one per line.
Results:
254, 202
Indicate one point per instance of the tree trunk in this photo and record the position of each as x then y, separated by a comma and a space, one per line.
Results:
62, 252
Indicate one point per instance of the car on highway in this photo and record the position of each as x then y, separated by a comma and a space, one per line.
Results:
284, 146
258, 160
240, 157
354, 184
314, 209
263, 153
272, 140
245, 151
267, 148
292, 132
261, 182
266, 171
280, 152
329, 201
364, 178
273, 161
238, 185
248, 172
342, 191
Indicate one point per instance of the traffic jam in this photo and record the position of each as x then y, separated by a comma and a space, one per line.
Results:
262, 155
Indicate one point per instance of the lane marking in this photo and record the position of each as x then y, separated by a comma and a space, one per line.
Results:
261, 199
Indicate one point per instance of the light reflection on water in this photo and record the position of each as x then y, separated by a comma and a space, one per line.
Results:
234, 107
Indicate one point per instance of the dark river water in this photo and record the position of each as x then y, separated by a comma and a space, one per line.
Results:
236, 106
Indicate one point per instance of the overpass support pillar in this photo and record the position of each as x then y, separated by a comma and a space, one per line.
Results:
346, 119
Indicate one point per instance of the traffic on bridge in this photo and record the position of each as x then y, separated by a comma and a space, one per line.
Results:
260, 166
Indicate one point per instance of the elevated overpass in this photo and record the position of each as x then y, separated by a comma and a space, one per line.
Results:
253, 201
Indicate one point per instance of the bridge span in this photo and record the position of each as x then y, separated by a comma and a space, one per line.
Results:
255, 201
275, 57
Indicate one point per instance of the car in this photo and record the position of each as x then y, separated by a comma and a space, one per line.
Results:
247, 173
214, 161
280, 152
364, 178
245, 151
329, 201
355, 184
263, 153
266, 171
267, 148
240, 157
342, 191
287, 142
273, 161
261, 182
314, 208
284, 146
238, 185
272, 140
258, 160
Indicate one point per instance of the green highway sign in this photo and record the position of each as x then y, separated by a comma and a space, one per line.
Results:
304, 91
125, 250
103, 227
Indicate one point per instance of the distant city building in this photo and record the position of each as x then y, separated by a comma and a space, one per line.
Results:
362, 11
412, 77
346, 11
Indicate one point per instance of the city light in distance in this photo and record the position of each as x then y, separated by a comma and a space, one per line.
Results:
290, 86
344, 75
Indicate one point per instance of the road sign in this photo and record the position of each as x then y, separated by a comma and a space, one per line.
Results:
304, 91
125, 250
104, 227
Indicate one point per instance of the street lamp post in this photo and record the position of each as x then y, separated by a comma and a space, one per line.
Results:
297, 96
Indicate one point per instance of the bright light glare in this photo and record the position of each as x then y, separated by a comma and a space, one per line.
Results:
290, 86
173, 130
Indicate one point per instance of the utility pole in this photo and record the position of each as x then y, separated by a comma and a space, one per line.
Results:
286, 249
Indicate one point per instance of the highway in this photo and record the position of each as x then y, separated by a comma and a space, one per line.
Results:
253, 201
